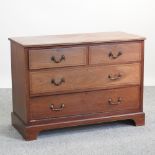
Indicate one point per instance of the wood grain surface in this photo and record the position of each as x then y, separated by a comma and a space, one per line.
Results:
72, 39
85, 103
115, 53
71, 56
83, 78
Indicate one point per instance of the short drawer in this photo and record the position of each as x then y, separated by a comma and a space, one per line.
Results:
57, 57
113, 53
83, 78
106, 101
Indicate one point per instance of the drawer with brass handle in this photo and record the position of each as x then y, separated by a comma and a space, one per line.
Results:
57, 109
84, 103
112, 56
72, 80
119, 100
57, 57
115, 76
55, 60
115, 53
57, 82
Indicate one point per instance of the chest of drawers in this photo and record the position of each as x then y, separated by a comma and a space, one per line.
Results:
78, 79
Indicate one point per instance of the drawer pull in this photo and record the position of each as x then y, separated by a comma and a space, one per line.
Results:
115, 77
57, 61
114, 56
57, 109
57, 82
119, 100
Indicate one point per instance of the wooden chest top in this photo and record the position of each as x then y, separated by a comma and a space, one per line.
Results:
71, 39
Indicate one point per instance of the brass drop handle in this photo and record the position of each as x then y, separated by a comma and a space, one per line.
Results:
59, 60
57, 109
112, 56
115, 76
57, 82
119, 100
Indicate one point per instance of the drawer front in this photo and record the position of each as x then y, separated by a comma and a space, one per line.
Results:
115, 53
83, 78
106, 101
57, 57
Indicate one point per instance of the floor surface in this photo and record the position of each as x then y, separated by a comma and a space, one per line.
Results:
118, 138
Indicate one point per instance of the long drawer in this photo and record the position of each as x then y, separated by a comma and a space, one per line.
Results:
57, 57
106, 101
84, 78
114, 53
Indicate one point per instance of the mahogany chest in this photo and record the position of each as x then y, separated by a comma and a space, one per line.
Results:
69, 80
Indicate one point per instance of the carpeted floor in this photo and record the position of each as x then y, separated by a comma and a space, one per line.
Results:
118, 138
